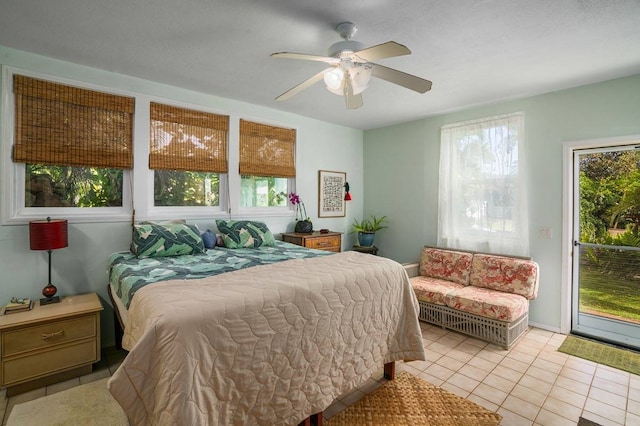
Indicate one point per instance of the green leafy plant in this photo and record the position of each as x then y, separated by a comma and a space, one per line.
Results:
371, 224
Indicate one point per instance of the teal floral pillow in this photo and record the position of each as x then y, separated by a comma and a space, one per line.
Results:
155, 240
245, 233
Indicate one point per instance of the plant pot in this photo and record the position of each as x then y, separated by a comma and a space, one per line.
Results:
365, 239
304, 227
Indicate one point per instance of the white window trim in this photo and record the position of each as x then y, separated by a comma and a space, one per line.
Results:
138, 203
13, 211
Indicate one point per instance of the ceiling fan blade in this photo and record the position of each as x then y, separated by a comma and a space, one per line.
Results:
304, 56
300, 87
389, 49
401, 78
352, 101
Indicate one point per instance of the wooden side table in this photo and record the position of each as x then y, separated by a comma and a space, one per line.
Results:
362, 249
49, 343
330, 241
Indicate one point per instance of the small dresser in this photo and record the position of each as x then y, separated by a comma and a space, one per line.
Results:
330, 241
49, 343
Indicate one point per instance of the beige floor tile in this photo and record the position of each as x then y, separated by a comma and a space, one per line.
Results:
515, 364
439, 371
521, 407
528, 394
547, 365
572, 385
633, 407
535, 384
613, 387
577, 375
473, 372
582, 365
613, 375
605, 410
455, 389
634, 394
491, 356
431, 379
569, 396
562, 408
438, 347
463, 382
555, 357
632, 419
507, 373
598, 418
483, 402
542, 374
547, 418
450, 363
608, 398
482, 364
490, 394
419, 365
509, 418
500, 383
459, 355
522, 356
469, 348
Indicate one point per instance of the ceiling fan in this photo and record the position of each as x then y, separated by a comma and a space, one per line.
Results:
351, 68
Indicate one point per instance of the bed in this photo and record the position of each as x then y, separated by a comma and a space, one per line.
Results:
271, 342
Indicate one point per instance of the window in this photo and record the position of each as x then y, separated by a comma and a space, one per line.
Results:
483, 197
267, 164
188, 153
71, 145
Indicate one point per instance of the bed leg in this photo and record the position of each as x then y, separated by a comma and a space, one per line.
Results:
312, 420
390, 370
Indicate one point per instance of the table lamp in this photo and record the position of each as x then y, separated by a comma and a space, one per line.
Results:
48, 235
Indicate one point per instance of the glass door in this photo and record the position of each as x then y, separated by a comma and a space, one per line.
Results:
606, 258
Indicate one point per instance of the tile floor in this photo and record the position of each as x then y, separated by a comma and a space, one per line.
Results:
530, 384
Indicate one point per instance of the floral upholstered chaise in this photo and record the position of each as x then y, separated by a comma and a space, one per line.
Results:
483, 295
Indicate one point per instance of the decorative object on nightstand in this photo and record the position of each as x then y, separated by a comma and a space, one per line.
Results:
303, 224
367, 229
369, 250
18, 305
48, 235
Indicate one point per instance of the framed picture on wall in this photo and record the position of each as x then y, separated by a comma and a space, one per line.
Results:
331, 193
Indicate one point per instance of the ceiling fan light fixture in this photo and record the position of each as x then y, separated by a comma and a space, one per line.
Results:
334, 80
360, 78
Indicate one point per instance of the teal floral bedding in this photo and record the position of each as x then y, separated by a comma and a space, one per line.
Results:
127, 273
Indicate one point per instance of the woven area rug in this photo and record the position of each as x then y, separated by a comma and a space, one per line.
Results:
410, 401
87, 405
622, 359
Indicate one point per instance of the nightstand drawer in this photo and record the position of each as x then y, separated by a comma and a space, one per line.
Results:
48, 335
323, 243
47, 362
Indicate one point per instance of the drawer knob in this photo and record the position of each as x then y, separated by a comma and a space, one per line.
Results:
46, 336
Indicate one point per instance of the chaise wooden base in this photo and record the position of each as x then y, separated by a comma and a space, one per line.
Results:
316, 419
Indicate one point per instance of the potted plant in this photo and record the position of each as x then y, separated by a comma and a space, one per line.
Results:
367, 229
303, 224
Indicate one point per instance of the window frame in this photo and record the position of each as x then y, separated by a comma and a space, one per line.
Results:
13, 174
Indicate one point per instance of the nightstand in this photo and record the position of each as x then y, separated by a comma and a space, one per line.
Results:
330, 241
49, 343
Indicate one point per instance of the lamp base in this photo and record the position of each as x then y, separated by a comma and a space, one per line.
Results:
48, 301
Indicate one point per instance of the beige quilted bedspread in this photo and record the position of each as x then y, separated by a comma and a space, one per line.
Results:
268, 345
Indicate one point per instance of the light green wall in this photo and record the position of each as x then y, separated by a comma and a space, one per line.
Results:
401, 172
82, 267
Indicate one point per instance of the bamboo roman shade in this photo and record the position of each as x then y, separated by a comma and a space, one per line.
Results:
188, 140
70, 126
267, 150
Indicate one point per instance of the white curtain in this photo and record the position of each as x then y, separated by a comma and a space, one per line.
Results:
483, 192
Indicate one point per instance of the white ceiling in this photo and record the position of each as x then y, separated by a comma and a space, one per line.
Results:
474, 51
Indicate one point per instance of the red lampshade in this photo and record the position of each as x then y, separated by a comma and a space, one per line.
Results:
48, 234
